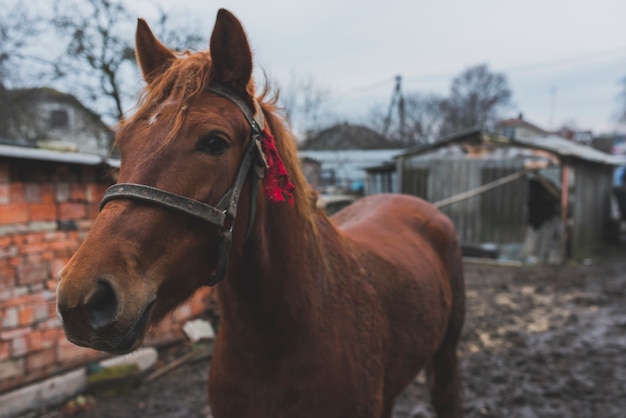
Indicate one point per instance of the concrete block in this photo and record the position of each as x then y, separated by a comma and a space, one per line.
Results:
145, 358
48, 392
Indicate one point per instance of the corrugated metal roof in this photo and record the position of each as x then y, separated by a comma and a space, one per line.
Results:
50, 155
566, 148
561, 147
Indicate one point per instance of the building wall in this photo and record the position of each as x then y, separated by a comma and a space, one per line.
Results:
81, 130
46, 210
497, 216
593, 185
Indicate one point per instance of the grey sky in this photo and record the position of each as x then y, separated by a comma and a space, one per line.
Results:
564, 58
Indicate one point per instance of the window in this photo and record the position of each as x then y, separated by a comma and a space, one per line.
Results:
59, 118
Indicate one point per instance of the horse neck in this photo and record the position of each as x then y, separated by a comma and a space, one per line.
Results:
273, 283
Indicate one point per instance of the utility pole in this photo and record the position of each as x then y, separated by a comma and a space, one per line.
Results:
397, 100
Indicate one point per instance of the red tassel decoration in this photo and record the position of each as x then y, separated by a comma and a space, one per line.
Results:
276, 182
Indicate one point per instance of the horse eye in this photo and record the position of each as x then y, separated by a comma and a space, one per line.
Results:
212, 144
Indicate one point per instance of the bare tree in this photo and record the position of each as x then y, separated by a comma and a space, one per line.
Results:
421, 120
476, 97
303, 101
18, 27
98, 35
99, 58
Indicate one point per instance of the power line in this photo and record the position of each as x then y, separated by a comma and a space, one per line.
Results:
515, 69
551, 63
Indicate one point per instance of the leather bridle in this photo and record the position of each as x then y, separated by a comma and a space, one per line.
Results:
223, 214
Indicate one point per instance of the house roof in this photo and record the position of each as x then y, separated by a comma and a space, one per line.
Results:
39, 154
345, 136
520, 122
564, 149
26, 96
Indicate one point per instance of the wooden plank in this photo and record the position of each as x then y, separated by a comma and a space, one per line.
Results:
480, 190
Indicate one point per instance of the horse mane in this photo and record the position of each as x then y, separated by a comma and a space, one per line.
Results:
305, 197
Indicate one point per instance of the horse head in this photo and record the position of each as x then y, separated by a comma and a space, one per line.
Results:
183, 149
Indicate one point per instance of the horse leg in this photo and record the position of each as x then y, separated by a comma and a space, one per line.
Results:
444, 370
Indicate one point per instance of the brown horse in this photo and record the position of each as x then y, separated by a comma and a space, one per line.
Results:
319, 317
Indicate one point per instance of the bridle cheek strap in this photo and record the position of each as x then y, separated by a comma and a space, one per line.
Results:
253, 165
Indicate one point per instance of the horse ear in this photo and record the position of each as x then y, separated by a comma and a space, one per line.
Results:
230, 53
153, 57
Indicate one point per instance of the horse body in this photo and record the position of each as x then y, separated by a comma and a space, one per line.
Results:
319, 317
342, 333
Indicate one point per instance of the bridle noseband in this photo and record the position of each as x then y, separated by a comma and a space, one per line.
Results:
252, 165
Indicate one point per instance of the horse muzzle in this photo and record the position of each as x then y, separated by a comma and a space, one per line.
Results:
100, 321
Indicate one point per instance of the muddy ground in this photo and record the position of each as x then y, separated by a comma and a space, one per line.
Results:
538, 342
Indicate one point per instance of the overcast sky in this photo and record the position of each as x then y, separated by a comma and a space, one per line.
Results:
564, 59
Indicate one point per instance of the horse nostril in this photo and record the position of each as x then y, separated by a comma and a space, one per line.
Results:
102, 305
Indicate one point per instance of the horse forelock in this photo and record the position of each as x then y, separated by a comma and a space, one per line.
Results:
186, 78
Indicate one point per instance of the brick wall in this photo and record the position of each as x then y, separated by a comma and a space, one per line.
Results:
46, 210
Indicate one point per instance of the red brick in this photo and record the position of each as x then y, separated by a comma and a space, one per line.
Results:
71, 211
93, 210
8, 252
77, 192
40, 359
40, 309
22, 300
19, 239
46, 193
17, 192
47, 255
93, 193
13, 213
31, 273
6, 241
19, 346
10, 318
63, 246
4, 350
54, 236
11, 334
52, 322
62, 192
6, 294
16, 261
26, 315
5, 193
31, 192
34, 248
44, 339
44, 211
101, 188
34, 238
7, 278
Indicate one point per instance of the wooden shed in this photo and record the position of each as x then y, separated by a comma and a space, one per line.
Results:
532, 199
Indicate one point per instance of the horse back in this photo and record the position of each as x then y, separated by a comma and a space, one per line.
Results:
399, 228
